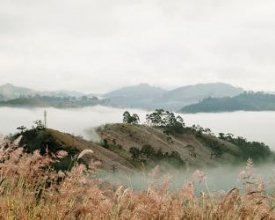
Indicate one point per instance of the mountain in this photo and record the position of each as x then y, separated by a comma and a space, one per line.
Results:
148, 97
9, 91
14, 96
63, 93
247, 101
53, 101
140, 96
187, 95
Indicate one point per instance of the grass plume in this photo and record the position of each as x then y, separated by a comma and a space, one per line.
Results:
30, 189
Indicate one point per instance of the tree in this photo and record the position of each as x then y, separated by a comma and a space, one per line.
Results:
130, 119
155, 118
22, 129
164, 118
134, 119
39, 125
126, 117
180, 121
135, 152
148, 150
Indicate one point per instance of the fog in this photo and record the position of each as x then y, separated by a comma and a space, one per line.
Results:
219, 179
255, 126
74, 121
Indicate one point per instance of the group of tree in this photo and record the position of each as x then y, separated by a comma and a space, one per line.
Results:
149, 153
161, 117
255, 150
158, 118
130, 119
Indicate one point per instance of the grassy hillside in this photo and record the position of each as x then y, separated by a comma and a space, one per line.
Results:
129, 147
195, 146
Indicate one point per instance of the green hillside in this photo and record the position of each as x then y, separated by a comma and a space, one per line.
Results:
248, 101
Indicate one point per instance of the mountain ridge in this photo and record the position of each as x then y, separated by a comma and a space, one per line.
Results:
143, 96
247, 101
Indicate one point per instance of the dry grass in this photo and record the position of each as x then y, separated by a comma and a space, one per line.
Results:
30, 190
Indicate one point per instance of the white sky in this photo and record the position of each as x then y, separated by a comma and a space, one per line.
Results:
100, 45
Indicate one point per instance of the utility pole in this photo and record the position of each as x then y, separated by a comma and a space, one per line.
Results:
45, 119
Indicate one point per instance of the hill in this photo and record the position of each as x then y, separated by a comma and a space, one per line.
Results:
9, 91
53, 101
187, 95
195, 146
34, 186
247, 101
129, 147
140, 96
148, 97
55, 142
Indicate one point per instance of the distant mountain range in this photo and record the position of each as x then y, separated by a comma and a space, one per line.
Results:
148, 97
247, 101
209, 97
9, 91
14, 96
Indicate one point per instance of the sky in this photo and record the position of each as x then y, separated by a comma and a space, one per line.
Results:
101, 45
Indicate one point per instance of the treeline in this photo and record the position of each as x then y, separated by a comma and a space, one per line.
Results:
52, 101
254, 150
159, 118
247, 101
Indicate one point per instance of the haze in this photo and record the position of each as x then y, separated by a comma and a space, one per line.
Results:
252, 125
98, 46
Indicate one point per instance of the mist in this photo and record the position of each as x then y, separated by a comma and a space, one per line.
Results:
219, 179
252, 125
255, 126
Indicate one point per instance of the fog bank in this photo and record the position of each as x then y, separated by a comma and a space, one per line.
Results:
255, 126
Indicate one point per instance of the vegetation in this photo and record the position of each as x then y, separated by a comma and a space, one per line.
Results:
247, 101
130, 119
29, 191
43, 177
167, 120
147, 154
225, 147
255, 150
53, 101
40, 140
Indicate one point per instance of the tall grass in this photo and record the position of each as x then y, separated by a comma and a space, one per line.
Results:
30, 189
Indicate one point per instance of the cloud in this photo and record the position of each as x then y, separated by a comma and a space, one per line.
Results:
97, 46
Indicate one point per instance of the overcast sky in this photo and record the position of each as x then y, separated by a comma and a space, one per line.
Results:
99, 45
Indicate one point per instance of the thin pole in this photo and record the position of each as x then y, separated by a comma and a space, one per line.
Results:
45, 118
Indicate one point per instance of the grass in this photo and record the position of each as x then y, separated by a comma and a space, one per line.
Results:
30, 189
